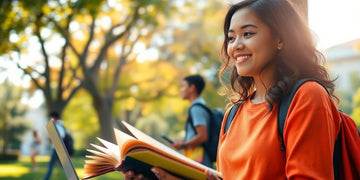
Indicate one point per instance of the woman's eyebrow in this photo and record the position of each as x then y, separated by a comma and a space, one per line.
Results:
243, 27
248, 25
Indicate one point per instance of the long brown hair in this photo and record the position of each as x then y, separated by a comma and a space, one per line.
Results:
298, 58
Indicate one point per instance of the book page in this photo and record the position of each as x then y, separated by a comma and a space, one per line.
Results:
164, 149
132, 153
173, 166
121, 138
146, 138
104, 159
115, 151
100, 159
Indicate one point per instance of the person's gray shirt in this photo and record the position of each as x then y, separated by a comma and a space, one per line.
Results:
200, 117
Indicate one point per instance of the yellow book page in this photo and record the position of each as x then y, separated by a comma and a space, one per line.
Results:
168, 165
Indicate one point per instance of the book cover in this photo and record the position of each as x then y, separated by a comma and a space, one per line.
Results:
139, 152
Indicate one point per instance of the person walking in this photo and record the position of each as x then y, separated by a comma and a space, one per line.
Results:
35, 148
197, 122
53, 157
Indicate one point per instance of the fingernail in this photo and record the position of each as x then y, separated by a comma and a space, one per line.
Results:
154, 171
140, 176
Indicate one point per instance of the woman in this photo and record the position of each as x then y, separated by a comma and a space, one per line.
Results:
267, 48
35, 147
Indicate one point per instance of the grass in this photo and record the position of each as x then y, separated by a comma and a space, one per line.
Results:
22, 169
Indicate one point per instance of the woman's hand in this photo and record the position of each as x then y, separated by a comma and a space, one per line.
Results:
163, 175
130, 175
211, 176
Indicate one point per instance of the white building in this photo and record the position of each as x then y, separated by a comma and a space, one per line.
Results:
342, 60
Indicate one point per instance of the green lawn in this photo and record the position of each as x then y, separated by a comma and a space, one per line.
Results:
11, 170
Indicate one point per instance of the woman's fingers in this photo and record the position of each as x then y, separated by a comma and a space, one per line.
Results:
163, 175
130, 175
211, 176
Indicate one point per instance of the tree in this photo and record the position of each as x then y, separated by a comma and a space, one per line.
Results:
97, 43
349, 99
190, 43
194, 46
355, 83
356, 107
12, 122
93, 41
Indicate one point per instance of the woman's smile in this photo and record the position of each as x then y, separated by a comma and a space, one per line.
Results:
239, 59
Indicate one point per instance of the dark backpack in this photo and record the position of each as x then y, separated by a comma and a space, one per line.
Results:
216, 118
346, 156
69, 142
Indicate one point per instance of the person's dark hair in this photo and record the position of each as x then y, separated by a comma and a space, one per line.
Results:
297, 59
197, 81
54, 114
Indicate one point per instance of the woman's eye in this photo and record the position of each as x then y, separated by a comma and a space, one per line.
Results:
246, 34
230, 39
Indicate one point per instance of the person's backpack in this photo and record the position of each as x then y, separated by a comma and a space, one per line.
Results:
216, 117
346, 156
69, 142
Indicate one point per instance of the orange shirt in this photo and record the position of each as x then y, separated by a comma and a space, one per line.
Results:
251, 147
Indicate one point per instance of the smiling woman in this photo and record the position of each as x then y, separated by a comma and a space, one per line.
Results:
267, 48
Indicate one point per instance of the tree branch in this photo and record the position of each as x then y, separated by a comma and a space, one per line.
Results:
110, 41
46, 73
65, 35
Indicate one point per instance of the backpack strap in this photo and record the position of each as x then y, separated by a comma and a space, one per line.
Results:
190, 117
284, 105
230, 117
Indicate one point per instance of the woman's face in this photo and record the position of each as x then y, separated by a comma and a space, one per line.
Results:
251, 46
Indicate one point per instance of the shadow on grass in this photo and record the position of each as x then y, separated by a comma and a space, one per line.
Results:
22, 169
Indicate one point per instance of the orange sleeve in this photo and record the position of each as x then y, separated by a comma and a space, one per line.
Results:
310, 131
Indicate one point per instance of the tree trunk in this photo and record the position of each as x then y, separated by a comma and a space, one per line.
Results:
104, 109
5, 141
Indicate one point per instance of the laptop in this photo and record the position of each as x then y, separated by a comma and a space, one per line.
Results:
61, 151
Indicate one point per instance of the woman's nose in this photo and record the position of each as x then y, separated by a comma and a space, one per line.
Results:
238, 44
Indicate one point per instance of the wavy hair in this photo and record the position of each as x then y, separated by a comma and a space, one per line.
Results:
298, 58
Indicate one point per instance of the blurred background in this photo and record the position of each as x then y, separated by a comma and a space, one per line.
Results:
101, 62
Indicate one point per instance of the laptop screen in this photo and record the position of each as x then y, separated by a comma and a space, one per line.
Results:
61, 151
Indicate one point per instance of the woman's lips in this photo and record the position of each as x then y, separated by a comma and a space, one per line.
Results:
242, 58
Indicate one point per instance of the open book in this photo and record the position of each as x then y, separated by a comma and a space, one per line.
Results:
139, 152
